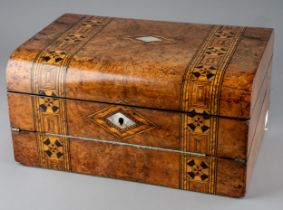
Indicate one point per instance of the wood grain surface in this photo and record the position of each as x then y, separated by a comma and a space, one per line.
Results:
173, 104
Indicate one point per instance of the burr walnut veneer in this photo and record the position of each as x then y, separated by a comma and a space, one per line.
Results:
175, 104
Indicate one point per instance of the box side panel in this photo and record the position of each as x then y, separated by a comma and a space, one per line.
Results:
215, 175
263, 71
258, 112
256, 140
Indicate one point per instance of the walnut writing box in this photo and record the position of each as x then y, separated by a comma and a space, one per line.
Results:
174, 104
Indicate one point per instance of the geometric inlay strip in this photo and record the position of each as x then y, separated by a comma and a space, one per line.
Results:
200, 99
48, 79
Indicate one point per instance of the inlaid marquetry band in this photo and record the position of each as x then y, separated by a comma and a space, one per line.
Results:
201, 95
48, 79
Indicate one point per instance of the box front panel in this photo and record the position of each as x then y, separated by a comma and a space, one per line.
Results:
204, 174
126, 142
130, 125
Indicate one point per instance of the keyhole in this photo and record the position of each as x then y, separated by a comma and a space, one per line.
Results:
121, 121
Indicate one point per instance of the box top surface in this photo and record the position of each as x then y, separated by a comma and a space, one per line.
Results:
201, 68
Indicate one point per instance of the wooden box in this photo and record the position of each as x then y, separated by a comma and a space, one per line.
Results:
174, 104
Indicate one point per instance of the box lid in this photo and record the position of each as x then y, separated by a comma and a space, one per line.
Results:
195, 68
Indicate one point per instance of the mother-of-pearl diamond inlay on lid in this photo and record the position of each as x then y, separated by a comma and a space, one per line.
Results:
121, 122
148, 38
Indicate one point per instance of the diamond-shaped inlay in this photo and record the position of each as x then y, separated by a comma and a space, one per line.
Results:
198, 122
148, 38
120, 121
53, 148
198, 170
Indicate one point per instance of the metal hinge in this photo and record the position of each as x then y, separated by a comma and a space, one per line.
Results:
240, 160
17, 130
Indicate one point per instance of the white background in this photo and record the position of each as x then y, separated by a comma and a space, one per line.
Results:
26, 188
